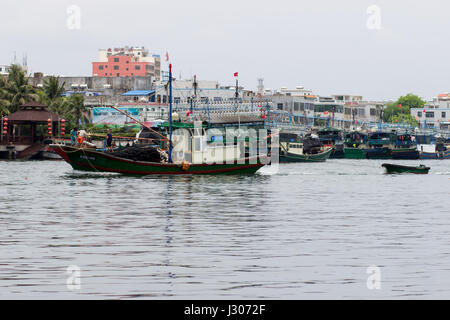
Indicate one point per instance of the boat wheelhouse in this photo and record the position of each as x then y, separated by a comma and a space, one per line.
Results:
380, 144
306, 149
333, 138
354, 144
405, 147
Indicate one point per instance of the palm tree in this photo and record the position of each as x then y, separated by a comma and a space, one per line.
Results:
52, 89
4, 102
76, 109
18, 91
52, 95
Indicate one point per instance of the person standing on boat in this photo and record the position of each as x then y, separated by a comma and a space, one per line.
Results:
82, 135
73, 136
109, 139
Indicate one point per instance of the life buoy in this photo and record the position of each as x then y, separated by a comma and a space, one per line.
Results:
185, 166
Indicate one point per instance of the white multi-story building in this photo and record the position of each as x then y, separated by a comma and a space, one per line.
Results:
431, 117
301, 106
435, 114
4, 70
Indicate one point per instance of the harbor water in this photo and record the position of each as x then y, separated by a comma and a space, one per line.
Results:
311, 231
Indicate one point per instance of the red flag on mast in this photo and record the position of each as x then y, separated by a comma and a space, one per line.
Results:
236, 74
167, 56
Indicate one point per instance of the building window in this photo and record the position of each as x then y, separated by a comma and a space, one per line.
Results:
373, 112
419, 114
443, 114
429, 114
127, 69
106, 74
116, 67
280, 106
100, 67
116, 59
296, 106
137, 67
118, 74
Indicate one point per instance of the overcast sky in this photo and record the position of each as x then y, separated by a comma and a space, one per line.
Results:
324, 45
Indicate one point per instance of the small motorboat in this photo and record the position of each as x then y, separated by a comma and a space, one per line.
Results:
395, 168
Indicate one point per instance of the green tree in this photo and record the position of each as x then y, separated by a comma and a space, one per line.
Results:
76, 111
401, 109
17, 90
52, 95
52, 89
403, 118
4, 102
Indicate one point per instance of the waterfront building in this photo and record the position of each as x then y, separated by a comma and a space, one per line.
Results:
4, 70
431, 117
127, 62
302, 106
435, 114
26, 130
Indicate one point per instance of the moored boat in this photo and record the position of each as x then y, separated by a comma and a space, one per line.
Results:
295, 156
405, 147
309, 150
380, 145
438, 155
332, 137
353, 145
92, 160
395, 168
410, 153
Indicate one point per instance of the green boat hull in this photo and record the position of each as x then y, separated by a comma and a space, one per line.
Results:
354, 153
391, 169
90, 160
288, 157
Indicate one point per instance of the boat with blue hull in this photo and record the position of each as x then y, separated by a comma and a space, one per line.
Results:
438, 151
380, 145
438, 155
405, 148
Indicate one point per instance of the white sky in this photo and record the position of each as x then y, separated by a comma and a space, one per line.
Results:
324, 45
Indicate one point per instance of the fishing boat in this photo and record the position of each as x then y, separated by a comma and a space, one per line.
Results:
405, 147
92, 160
395, 168
353, 145
380, 145
438, 155
438, 151
410, 153
309, 150
332, 137
183, 152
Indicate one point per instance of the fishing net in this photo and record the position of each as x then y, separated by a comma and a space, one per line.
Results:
145, 153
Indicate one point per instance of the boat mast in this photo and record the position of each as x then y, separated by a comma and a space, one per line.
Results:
195, 94
170, 113
237, 93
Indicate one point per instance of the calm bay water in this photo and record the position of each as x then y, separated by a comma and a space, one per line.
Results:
308, 232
